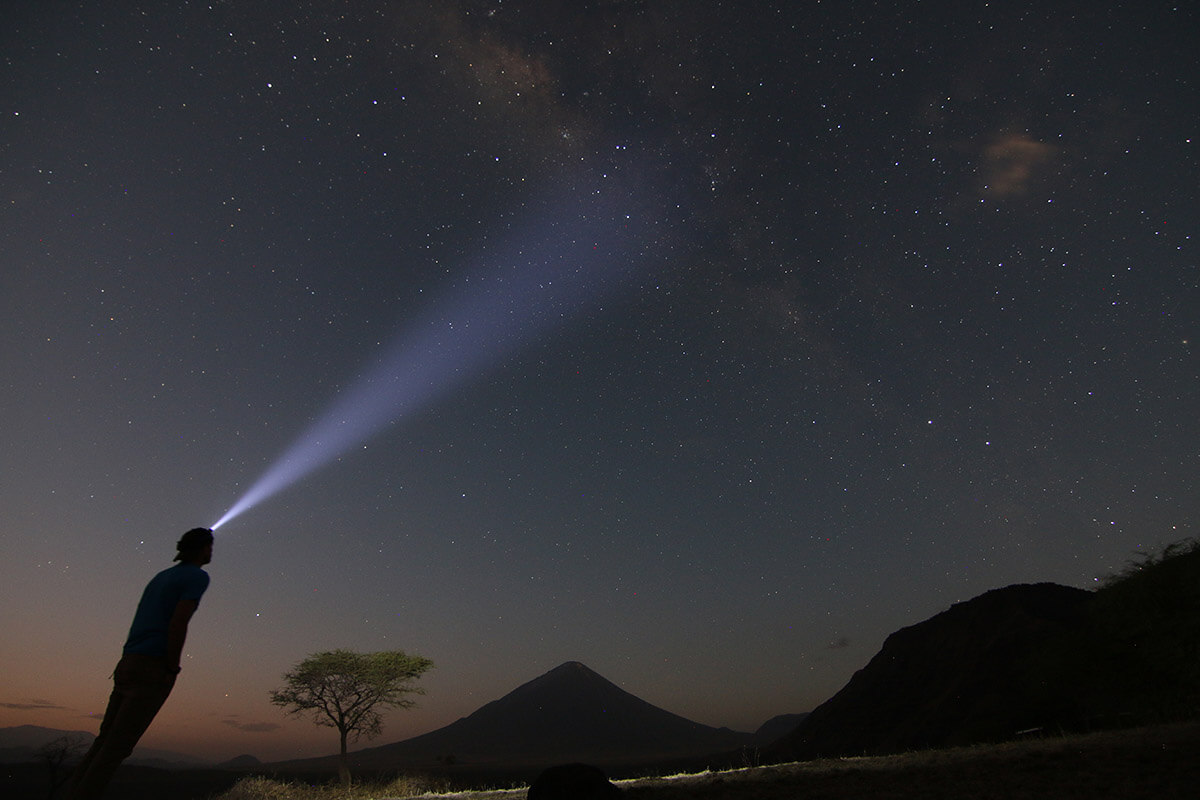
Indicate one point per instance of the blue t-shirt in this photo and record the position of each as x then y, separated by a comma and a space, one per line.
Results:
148, 633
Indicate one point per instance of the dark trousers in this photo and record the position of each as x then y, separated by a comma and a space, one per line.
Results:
140, 687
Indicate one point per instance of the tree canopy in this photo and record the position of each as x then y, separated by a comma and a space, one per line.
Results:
348, 690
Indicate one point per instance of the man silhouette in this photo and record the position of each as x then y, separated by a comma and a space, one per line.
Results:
149, 664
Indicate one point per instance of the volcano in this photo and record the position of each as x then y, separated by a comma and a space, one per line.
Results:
568, 714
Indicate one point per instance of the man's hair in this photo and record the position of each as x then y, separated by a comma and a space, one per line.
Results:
193, 540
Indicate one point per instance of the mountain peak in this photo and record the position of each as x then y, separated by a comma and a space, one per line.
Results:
570, 669
573, 673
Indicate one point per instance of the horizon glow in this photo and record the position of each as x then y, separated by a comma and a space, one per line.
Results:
549, 271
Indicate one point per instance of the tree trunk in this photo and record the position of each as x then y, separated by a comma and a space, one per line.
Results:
343, 763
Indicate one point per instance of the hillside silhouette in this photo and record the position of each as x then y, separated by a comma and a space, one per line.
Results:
1024, 659
964, 675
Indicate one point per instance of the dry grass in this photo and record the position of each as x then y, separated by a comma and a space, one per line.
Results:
259, 788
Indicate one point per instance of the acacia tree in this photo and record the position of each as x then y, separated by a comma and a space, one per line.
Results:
57, 753
347, 690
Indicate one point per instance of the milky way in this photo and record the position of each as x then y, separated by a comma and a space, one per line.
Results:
887, 307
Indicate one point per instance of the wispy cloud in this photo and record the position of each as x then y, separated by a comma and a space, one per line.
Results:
1013, 162
33, 705
252, 727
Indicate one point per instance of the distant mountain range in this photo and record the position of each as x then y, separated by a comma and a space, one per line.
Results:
20, 744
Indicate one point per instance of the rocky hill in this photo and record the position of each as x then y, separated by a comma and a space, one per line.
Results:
965, 675
1024, 658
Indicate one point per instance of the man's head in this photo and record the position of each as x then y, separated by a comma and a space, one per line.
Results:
195, 546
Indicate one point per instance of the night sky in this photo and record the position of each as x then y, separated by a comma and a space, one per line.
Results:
787, 325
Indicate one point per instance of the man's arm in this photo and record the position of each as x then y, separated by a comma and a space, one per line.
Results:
177, 631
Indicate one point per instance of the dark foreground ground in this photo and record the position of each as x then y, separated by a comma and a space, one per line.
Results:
1161, 762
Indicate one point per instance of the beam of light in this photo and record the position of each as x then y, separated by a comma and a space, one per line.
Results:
585, 245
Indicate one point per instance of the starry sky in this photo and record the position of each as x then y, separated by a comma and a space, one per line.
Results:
870, 307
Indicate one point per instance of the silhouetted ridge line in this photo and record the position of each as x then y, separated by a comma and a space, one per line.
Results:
974, 672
